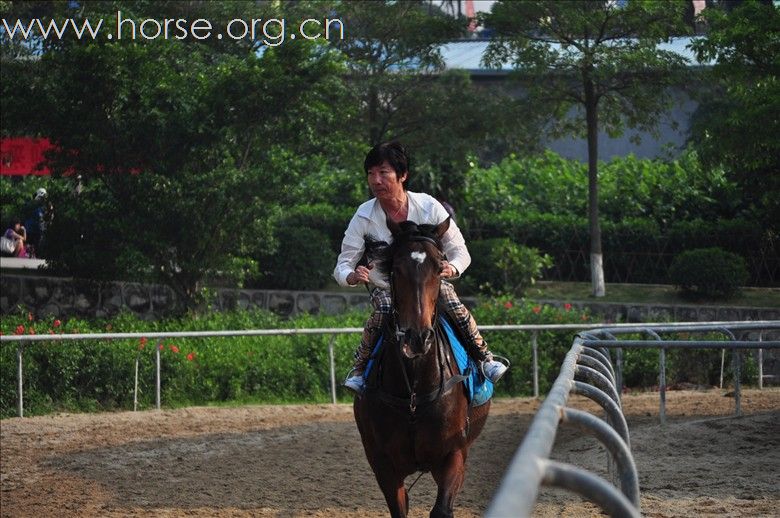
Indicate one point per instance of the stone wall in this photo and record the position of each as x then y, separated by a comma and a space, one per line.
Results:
62, 297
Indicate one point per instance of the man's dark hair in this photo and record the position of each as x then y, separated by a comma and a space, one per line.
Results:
391, 152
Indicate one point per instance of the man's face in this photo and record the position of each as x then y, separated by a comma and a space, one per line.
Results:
384, 182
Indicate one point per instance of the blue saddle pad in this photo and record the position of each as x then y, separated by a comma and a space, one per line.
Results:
478, 388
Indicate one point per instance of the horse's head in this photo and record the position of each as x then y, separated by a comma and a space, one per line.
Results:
414, 264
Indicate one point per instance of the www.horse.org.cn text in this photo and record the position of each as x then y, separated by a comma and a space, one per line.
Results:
271, 32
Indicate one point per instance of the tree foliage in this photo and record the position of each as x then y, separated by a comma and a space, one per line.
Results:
184, 149
737, 124
597, 60
402, 91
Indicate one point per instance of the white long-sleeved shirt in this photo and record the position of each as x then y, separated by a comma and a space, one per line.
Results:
370, 220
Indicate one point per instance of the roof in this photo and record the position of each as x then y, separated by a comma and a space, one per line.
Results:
467, 55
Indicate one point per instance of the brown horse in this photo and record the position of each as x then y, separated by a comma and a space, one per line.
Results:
414, 415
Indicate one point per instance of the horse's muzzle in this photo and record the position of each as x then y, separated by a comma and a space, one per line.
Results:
417, 343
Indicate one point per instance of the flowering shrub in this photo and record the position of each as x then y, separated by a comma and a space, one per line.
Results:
93, 375
552, 345
99, 374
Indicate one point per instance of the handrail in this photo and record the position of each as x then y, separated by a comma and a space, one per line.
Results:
345, 330
531, 466
532, 328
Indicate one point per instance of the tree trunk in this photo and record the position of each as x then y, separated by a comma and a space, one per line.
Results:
598, 288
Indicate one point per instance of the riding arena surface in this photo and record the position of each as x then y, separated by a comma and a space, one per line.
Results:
307, 460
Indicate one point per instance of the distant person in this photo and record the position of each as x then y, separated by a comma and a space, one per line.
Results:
13, 240
38, 215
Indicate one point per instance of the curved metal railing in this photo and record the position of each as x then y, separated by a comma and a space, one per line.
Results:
587, 370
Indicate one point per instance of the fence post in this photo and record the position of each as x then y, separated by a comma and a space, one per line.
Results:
760, 363
722, 362
332, 356
662, 383
619, 373
135, 388
535, 348
737, 375
20, 376
157, 361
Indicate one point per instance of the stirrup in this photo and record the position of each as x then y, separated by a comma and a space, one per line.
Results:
352, 371
500, 359
355, 383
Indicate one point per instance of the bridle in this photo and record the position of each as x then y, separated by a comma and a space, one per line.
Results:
415, 400
399, 332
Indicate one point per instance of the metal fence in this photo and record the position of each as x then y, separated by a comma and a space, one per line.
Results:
534, 331
589, 360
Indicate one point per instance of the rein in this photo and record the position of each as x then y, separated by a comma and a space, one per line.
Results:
415, 400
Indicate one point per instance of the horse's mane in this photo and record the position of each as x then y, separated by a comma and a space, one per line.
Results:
382, 254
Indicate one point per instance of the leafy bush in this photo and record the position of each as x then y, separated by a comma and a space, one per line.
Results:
501, 266
708, 272
94, 375
649, 208
552, 345
663, 191
303, 260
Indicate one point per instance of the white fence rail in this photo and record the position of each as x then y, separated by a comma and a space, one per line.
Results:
589, 361
21, 340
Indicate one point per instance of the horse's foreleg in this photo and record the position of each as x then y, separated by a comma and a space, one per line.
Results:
449, 477
392, 486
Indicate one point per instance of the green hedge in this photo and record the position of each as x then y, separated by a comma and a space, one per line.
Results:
636, 250
650, 211
708, 273
97, 375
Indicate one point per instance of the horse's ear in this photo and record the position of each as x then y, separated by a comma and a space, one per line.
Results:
394, 227
443, 227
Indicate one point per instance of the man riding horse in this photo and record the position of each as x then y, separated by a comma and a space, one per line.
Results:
387, 171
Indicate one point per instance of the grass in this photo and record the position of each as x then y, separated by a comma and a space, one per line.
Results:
648, 294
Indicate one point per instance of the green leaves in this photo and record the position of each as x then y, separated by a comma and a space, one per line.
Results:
709, 272
737, 125
630, 187
186, 148
559, 47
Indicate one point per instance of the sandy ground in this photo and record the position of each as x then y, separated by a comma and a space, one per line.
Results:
285, 461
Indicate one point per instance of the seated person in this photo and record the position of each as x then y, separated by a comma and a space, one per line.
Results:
387, 172
17, 235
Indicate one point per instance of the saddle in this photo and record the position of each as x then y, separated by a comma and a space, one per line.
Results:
478, 389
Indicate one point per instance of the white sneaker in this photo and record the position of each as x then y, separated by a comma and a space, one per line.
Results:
493, 370
355, 383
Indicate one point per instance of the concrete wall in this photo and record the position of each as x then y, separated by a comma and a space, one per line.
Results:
64, 297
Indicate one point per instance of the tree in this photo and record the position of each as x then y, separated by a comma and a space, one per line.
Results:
737, 124
402, 91
599, 57
186, 148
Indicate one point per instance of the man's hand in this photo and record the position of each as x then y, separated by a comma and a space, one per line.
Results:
447, 270
359, 275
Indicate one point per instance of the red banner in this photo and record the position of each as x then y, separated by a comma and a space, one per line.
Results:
21, 156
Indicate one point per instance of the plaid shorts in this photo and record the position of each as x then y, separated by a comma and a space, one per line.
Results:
448, 302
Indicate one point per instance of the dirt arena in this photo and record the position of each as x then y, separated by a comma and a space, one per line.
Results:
286, 461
